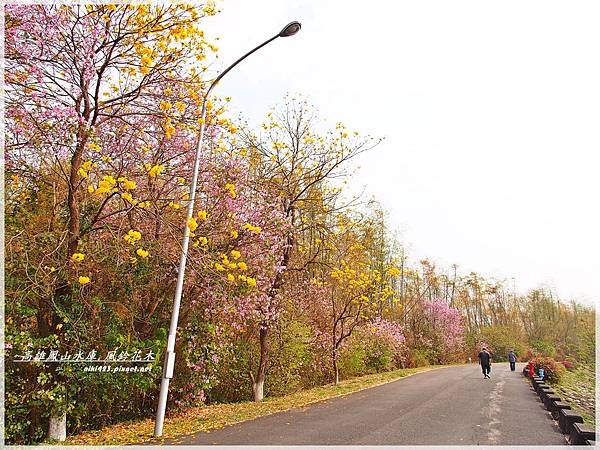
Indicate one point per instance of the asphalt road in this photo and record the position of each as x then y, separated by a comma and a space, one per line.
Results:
452, 406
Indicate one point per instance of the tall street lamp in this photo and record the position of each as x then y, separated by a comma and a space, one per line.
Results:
169, 363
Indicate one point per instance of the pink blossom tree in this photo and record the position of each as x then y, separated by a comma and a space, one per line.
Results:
445, 330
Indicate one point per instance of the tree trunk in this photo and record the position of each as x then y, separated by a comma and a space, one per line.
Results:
258, 389
72, 200
258, 382
47, 318
336, 369
57, 428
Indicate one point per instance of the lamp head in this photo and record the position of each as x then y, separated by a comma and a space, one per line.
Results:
290, 29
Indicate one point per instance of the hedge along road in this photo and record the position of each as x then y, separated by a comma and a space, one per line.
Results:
452, 406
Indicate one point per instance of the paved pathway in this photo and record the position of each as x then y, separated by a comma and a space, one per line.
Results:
452, 405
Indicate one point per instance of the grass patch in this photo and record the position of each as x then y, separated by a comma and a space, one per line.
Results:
205, 418
578, 388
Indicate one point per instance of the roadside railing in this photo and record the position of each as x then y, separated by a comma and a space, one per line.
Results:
570, 423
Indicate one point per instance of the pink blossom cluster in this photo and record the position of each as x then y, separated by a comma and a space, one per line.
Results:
447, 323
384, 328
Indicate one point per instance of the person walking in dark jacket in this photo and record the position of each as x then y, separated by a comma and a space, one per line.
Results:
485, 359
512, 359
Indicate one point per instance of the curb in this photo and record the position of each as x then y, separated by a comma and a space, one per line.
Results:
571, 424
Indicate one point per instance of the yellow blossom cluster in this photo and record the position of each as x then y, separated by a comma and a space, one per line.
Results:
202, 215
393, 271
363, 281
201, 241
227, 265
145, 63
180, 107
23, 197
107, 184
85, 168
155, 170
142, 253
210, 9
248, 280
387, 292
84, 280
132, 236
128, 197
192, 224
77, 257
146, 58
127, 184
168, 127
231, 188
252, 228
350, 278
376, 275
181, 32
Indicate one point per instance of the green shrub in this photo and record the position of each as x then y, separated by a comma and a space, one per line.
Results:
91, 399
500, 340
379, 356
420, 357
352, 361
289, 357
232, 372
543, 348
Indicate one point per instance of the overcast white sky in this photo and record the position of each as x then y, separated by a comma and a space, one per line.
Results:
490, 112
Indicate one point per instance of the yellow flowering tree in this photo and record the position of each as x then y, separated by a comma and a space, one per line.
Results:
87, 90
357, 286
294, 163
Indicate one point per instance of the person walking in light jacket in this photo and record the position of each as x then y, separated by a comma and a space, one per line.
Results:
512, 359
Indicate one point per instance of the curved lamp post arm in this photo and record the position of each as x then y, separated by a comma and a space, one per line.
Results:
289, 30
169, 362
216, 80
